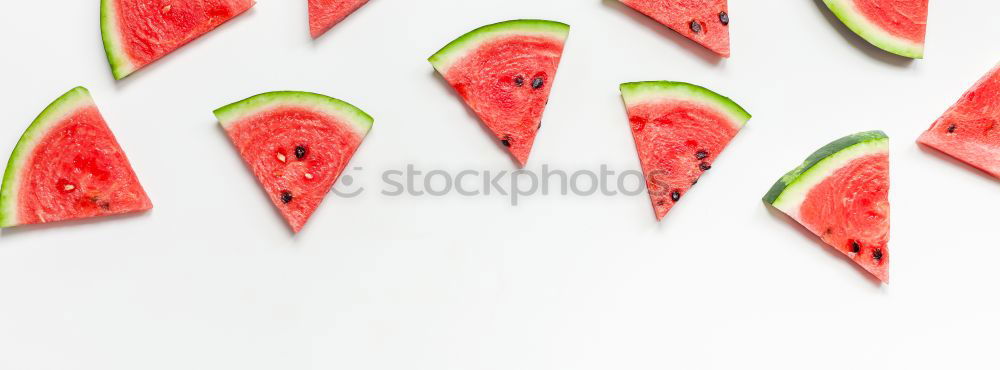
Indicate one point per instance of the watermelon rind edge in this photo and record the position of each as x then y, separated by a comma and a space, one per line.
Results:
234, 112
53, 113
845, 11
454, 50
790, 190
633, 92
120, 65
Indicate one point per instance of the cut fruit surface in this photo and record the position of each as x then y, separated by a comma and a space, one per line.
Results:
68, 166
324, 14
679, 131
841, 194
504, 72
896, 26
703, 21
970, 129
138, 32
297, 144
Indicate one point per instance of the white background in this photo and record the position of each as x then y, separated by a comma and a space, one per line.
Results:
212, 278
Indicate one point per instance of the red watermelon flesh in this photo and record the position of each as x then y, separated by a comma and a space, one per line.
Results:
703, 21
504, 72
841, 194
679, 131
324, 14
970, 129
905, 19
138, 32
297, 144
849, 210
67, 166
897, 26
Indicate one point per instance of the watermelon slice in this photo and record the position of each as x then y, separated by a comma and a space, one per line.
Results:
324, 14
68, 166
841, 193
504, 72
297, 144
138, 32
970, 129
703, 21
679, 130
896, 26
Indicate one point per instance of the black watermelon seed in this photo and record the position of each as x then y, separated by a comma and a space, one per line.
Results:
695, 26
519, 81
660, 202
877, 254
537, 83
705, 166
855, 247
701, 154
505, 142
695, 182
724, 18
286, 197
675, 196
300, 151
951, 129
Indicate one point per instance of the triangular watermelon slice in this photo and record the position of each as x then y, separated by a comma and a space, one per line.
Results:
324, 14
841, 194
679, 131
703, 21
970, 129
68, 166
297, 144
138, 32
504, 72
897, 26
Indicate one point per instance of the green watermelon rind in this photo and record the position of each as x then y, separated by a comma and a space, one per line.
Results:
52, 114
635, 92
235, 112
788, 193
446, 57
845, 11
120, 64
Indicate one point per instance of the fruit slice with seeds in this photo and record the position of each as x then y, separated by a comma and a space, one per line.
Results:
504, 72
138, 32
297, 144
679, 131
896, 26
703, 21
970, 129
68, 166
841, 194
324, 14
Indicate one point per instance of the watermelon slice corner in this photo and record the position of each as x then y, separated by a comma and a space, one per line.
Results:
705, 22
504, 72
897, 26
324, 14
841, 194
68, 165
679, 130
970, 130
297, 144
139, 32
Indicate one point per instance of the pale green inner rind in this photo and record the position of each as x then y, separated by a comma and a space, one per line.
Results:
56, 111
120, 64
640, 92
455, 50
788, 193
853, 19
237, 111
